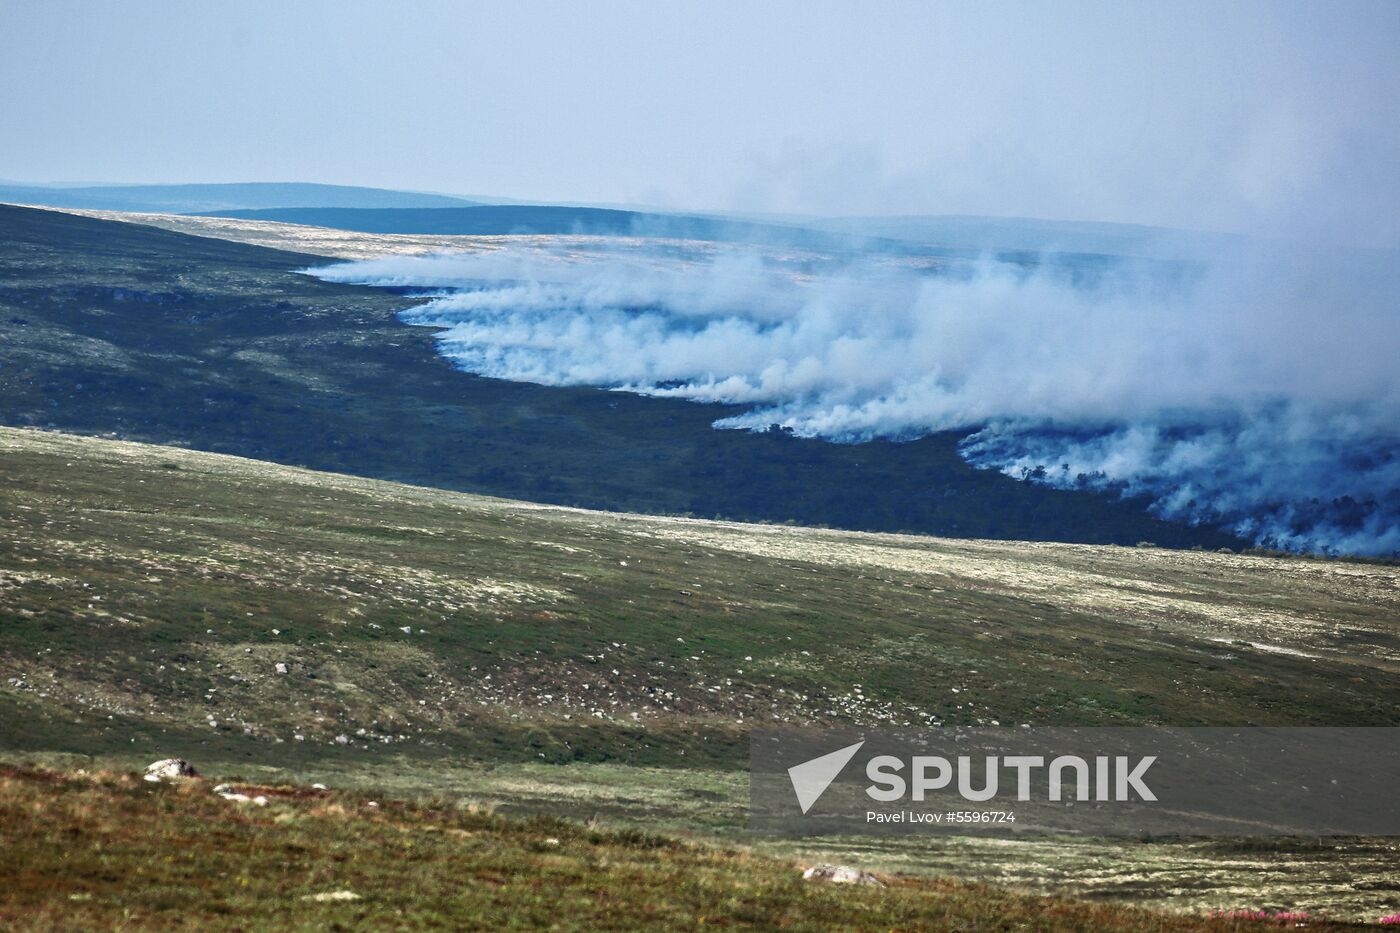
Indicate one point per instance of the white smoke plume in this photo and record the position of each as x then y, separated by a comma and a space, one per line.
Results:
1258, 394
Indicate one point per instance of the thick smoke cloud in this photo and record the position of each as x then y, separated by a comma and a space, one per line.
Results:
1258, 394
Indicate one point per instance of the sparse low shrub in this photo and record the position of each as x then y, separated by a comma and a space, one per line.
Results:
1282, 917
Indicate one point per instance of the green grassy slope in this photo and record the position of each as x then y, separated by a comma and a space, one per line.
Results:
109, 852
158, 336
161, 588
590, 664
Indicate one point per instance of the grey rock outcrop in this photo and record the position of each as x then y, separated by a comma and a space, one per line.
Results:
841, 874
170, 769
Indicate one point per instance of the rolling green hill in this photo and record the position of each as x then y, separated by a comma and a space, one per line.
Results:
163, 587
158, 336
285, 626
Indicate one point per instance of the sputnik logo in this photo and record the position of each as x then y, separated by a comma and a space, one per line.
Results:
811, 778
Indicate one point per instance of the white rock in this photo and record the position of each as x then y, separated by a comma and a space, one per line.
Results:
326, 896
169, 769
281, 668
840, 874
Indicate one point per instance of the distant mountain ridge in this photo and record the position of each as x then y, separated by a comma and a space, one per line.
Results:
383, 210
1022, 241
190, 199
550, 219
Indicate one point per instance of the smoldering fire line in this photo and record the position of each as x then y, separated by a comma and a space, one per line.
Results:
1257, 393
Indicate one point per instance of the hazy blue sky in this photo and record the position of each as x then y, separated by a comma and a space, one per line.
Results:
1220, 115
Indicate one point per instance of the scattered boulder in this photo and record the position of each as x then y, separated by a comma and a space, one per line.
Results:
330, 896
169, 769
841, 874
280, 668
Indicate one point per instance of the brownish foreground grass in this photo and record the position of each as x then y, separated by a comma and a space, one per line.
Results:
108, 851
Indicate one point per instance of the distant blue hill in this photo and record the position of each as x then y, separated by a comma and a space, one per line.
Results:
475, 220
505, 219
191, 199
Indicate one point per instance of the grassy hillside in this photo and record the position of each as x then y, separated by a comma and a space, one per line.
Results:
586, 664
158, 336
325, 241
108, 851
162, 587
219, 197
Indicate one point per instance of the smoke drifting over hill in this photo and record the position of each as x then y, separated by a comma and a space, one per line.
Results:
1258, 394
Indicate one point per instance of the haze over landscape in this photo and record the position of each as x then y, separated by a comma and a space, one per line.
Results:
442, 444
1255, 393
1257, 117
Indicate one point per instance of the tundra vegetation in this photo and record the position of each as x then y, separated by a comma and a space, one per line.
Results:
106, 851
280, 627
